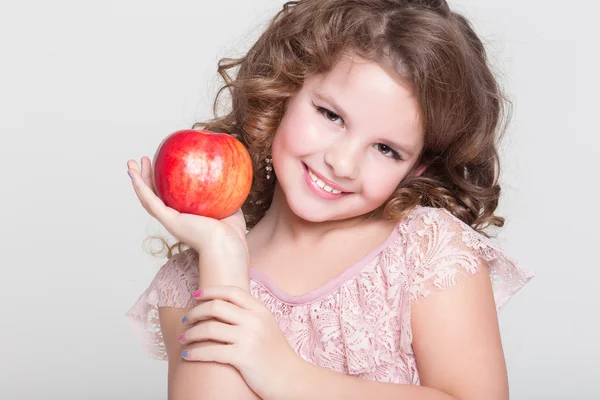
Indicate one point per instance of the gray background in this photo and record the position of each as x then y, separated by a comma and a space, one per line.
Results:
84, 86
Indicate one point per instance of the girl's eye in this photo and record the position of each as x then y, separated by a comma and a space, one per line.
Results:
388, 151
331, 116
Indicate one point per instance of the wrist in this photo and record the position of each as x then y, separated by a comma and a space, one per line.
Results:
229, 251
221, 271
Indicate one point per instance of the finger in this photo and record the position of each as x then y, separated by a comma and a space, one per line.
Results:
216, 352
142, 170
219, 309
131, 167
211, 330
138, 185
150, 201
231, 294
147, 173
131, 164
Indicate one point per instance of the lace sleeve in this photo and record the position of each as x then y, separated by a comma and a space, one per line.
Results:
443, 251
172, 286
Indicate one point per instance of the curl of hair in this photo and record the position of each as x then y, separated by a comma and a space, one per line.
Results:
433, 48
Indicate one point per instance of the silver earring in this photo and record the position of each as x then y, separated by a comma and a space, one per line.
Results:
268, 167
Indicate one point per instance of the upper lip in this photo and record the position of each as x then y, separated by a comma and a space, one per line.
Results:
328, 182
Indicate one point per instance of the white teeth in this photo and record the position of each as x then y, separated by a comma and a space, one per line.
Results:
322, 184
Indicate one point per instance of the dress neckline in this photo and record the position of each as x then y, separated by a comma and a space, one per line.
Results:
328, 287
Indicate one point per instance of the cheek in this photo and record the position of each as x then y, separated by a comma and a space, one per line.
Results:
378, 187
298, 134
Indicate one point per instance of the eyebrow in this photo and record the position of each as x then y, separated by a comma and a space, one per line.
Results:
407, 151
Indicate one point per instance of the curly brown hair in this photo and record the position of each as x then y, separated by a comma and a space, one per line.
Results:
432, 47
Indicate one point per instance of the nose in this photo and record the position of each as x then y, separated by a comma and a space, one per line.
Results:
344, 158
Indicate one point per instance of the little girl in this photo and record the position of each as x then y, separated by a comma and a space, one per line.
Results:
358, 266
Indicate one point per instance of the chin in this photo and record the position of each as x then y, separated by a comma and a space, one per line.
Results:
312, 211
312, 215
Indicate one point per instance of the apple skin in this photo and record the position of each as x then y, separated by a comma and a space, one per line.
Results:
203, 173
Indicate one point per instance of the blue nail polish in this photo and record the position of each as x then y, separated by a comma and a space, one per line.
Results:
128, 173
184, 320
185, 353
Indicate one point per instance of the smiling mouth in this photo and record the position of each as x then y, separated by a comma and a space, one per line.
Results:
322, 185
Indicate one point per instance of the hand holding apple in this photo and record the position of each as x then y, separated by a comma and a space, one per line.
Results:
212, 237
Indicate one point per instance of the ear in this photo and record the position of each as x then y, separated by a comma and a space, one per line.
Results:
422, 168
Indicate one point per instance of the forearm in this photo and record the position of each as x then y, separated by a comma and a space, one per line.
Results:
193, 380
216, 270
317, 383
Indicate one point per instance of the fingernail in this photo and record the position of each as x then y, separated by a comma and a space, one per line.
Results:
185, 353
197, 293
181, 337
184, 319
129, 173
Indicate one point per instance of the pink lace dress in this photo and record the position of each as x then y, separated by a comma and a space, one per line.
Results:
359, 322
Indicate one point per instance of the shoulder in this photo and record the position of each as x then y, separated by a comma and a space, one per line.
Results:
181, 266
426, 231
436, 231
174, 282
442, 251
420, 219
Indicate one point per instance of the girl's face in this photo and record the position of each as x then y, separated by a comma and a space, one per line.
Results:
347, 139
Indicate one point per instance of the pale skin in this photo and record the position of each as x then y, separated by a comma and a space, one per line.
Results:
235, 349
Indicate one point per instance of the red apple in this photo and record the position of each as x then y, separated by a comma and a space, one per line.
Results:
202, 173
